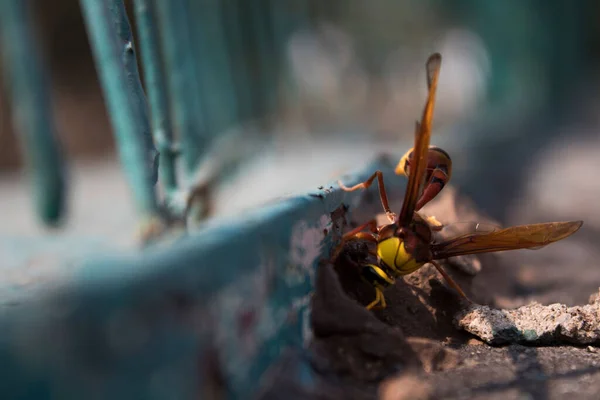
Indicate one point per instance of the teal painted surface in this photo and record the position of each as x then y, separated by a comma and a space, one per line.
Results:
28, 90
156, 87
213, 63
188, 112
112, 46
237, 40
230, 297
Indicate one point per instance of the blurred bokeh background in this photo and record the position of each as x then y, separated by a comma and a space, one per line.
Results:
305, 90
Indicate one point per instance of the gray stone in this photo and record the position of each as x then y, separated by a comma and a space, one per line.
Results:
534, 323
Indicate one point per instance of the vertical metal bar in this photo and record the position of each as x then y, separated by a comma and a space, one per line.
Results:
110, 38
32, 115
183, 81
262, 68
156, 87
226, 64
235, 36
280, 30
213, 63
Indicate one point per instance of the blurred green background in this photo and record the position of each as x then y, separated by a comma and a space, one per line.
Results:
332, 83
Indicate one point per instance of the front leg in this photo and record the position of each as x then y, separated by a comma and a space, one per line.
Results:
382, 193
380, 280
379, 302
357, 234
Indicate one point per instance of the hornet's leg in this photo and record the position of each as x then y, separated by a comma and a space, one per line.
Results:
361, 236
379, 300
382, 304
356, 234
450, 281
382, 193
379, 279
372, 225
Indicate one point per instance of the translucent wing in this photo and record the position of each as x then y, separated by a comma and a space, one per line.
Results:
420, 151
462, 228
513, 238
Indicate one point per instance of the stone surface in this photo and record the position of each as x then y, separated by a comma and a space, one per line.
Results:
453, 364
534, 324
519, 372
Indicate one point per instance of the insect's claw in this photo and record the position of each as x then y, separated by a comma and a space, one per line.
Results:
372, 304
383, 303
343, 187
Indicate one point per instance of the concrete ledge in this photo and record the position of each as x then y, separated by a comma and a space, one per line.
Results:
208, 313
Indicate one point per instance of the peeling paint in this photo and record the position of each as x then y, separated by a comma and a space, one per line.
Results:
307, 244
249, 286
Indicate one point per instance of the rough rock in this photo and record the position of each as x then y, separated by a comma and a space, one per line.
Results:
534, 324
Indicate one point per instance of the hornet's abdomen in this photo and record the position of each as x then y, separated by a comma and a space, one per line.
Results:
393, 254
437, 172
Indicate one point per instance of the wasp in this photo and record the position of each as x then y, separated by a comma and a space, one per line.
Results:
407, 242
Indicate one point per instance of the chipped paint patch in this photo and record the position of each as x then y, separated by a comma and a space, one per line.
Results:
306, 244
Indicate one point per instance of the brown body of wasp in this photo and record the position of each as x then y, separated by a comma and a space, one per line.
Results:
414, 253
405, 245
411, 247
